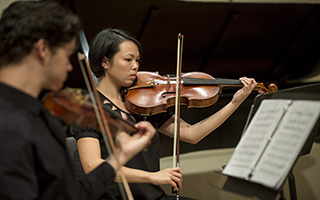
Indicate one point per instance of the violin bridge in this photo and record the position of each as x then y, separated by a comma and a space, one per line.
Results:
168, 81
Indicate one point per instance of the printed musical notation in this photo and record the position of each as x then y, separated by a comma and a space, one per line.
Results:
273, 141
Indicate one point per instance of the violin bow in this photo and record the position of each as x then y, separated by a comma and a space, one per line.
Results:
105, 130
176, 138
97, 105
102, 120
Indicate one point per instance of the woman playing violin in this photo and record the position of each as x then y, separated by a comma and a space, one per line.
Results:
115, 58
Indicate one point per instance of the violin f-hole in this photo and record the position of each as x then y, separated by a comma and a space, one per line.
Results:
165, 93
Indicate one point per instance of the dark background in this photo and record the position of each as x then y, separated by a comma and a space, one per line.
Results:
276, 43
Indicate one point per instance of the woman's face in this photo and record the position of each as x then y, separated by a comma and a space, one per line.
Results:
125, 64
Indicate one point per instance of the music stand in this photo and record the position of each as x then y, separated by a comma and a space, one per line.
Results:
240, 186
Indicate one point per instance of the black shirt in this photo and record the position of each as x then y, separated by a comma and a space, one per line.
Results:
147, 160
34, 163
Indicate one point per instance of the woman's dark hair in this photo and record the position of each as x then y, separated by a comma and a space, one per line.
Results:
106, 44
23, 23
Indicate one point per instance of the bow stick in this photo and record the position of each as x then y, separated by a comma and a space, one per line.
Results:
176, 138
104, 127
105, 130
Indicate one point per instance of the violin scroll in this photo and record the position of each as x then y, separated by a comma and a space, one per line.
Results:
272, 87
262, 89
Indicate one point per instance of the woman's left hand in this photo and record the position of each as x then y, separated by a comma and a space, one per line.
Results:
248, 85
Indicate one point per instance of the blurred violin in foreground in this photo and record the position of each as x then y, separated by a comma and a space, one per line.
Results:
154, 93
72, 107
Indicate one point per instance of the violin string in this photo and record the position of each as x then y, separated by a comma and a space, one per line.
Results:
105, 130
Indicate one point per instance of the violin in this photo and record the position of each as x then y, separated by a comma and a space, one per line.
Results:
154, 93
71, 105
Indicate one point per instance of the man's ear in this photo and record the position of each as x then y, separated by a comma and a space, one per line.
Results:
42, 48
105, 63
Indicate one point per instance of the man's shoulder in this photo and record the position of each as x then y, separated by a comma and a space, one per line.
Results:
14, 118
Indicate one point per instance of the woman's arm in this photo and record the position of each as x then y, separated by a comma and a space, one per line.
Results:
194, 133
90, 156
126, 147
89, 152
172, 176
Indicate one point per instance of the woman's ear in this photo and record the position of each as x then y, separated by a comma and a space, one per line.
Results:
105, 63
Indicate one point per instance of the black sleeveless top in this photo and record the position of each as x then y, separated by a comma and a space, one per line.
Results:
147, 160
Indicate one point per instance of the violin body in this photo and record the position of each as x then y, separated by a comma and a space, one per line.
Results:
154, 93
72, 108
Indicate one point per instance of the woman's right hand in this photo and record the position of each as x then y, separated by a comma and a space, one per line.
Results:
172, 176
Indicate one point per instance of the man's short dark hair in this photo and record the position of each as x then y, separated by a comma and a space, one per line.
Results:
23, 23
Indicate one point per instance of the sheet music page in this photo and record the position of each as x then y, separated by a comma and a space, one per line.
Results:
287, 143
255, 138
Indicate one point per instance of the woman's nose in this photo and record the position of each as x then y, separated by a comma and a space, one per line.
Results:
136, 65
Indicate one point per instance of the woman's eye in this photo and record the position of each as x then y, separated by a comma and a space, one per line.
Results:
128, 59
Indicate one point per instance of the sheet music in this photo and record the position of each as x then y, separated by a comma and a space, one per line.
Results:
273, 140
255, 138
287, 143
